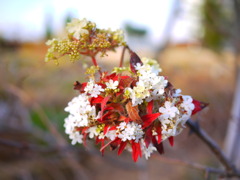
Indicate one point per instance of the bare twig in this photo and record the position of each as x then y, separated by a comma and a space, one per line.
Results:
206, 169
212, 145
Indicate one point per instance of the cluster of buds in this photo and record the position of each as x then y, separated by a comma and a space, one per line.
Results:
128, 108
84, 38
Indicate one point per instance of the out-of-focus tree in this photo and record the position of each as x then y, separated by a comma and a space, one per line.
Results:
221, 25
48, 26
134, 31
68, 18
214, 20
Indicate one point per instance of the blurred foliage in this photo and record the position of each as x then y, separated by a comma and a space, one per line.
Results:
68, 19
49, 31
132, 30
214, 21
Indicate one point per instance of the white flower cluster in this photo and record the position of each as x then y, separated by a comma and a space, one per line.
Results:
130, 131
80, 114
124, 131
172, 117
149, 86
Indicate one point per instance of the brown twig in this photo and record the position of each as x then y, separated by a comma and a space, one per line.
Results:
206, 169
213, 146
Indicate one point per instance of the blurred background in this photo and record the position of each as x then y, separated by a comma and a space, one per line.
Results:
196, 43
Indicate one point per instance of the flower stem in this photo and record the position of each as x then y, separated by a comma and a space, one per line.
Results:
122, 56
94, 61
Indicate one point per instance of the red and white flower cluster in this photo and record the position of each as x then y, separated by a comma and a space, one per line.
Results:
134, 109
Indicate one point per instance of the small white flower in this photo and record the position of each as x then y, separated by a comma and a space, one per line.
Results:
130, 131
169, 111
159, 84
93, 89
76, 137
122, 125
153, 63
187, 103
111, 134
147, 151
101, 135
177, 93
112, 84
92, 132
76, 27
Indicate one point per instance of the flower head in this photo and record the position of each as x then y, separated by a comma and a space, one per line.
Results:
133, 108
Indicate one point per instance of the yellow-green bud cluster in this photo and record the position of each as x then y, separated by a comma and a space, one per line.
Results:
83, 38
60, 48
92, 70
100, 128
121, 69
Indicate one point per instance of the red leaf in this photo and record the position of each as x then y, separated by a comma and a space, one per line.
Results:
116, 106
105, 129
96, 100
159, 147
171, 140
111, 76
150, 107
104, 146
148, 136
198, 106
125, 82
104, 102
159, 132
123, 118
98, 140
133, 112
149, 118
115, 143
127, 120
84, 139
79, 86
122, 147
134, 59
136, 150
112, 128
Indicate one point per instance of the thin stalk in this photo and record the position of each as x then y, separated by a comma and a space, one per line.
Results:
122, 56
212, 145
94, 61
